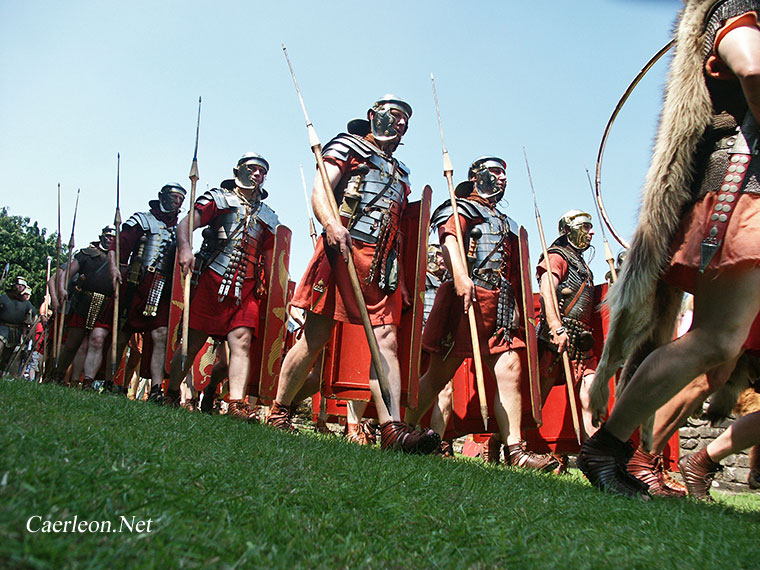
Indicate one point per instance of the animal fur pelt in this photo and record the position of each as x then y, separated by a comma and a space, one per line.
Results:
642, 307
736, 395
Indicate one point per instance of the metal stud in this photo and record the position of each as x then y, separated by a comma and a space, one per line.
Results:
721, 197
719, 207
723, 217
734, 158
730, 198
732, 168
740, 169
725, 188
713, 231
743, 159
714, 218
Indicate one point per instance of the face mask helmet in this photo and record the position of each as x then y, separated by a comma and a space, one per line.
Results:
244, 171
576, 225
107, 234
166, 194
483, 181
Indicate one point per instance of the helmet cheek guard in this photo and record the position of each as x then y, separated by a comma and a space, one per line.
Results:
573, 225
166, 197
245, 169
384, 123
487, 184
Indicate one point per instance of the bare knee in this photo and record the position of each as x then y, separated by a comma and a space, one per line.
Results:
159, 335
240, 340
97, 339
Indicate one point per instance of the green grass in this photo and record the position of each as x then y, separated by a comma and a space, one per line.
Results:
229, 495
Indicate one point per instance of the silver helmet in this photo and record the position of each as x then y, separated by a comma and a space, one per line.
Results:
482, 179
165, 196
106, 234
576, 225
244, 170
381, 121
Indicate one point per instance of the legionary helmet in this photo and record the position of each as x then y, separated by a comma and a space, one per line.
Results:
106, 234
21, 281
165, 196
576, 225
383, 124
244, 171
486, 183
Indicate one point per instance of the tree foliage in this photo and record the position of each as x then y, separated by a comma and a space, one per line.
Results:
26, 247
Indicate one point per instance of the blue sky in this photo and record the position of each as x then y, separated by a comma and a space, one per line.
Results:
82, 81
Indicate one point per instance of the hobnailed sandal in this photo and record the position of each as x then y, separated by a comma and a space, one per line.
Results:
280, 417
517, 455
240, 410
402, 437
490, 452
648, 468
698, 472
171, 399
354, 433
604, 459
156, 396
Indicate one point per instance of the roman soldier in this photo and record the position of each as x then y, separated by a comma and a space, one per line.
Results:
147, 245
372, 188
90, 292
696, 233
571, 330
15, 317
488, 283
228, 274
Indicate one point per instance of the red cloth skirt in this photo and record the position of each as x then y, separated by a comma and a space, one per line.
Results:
741, 245
325, 288
136, 321
448, 321
217, 319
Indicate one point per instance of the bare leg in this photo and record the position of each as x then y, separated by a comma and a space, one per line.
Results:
744, 433
239, 341
195, 341
437, 375
442, 410
157, 359
725, 307
386, 340
94, 357
77, 365
74, 339
508, 403
588, 427
355, 411
300, 359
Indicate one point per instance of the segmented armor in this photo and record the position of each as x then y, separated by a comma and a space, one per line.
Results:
575, 295
15, 316
489, 255
233, 242
153, 256
373, 199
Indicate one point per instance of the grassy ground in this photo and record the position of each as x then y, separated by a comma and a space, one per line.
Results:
223, 494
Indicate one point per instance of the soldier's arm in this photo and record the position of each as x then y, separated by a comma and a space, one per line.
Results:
463, 284
184, 251
553, 319
52, 286
63, 292
336, 234
739, 49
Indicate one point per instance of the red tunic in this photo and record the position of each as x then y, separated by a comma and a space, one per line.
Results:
449, 323
128, 238
325, 287
217, 319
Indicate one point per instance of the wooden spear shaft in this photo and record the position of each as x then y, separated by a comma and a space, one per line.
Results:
190, 219
607, 251
117, 289
448, 173
555, 304
374, 349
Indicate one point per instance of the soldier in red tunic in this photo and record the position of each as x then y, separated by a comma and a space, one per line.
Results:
372, 187
570, 331
487, 283
147, 246
229, 272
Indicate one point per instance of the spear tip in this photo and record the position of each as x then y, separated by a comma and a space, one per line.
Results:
199, 99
